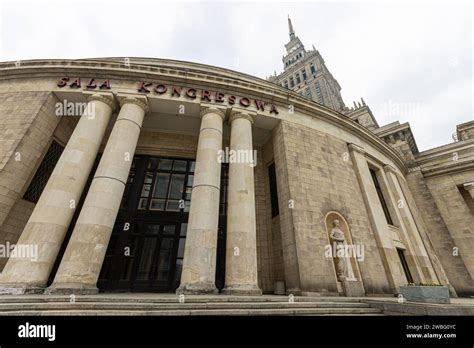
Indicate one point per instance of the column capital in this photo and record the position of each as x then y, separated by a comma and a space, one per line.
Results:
139, 100
241, 113
356, 148
106, 98
206, 109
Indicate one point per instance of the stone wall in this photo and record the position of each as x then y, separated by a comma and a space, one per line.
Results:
320, 178
37, 134
443, 211
460, 223
263, 215
27, 123
167, 144
13, 226
287, 238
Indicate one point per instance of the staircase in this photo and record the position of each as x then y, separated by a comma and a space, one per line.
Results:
170, 304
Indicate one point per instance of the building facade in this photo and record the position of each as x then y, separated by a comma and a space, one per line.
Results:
151, 175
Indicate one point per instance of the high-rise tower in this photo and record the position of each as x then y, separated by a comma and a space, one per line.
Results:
306, 73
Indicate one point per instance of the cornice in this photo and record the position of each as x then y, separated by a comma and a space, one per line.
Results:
399, 132
198, 74
451, 158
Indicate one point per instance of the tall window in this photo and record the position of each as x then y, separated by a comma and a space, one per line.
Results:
381, 197
273, 190
308, 93
285, 84
404, 263
43, 173
303, 72
319, 93
298, 79
312, 68
292, 82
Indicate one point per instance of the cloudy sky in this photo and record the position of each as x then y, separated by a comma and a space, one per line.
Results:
409, 61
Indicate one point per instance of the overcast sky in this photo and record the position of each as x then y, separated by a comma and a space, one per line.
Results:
409, 61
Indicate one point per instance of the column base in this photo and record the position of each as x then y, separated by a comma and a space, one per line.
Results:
20, 289
71, 289
245, 290
197, 289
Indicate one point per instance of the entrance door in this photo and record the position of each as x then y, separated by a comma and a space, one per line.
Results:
147, 257
157, 246
146, 249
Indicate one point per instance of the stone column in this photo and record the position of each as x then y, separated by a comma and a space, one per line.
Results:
48, 224
199, 262
84, 255
241, 248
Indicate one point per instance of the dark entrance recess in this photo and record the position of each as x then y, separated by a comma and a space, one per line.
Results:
145, 251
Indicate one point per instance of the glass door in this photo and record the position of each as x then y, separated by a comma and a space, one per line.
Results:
146, 249
157, 247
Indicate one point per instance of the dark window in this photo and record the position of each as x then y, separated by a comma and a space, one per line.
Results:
298, 79
401, 254
292, 82
43, 173
273, 190
381, 197
167, 186
129, 185
303, 72
312, 68
223, 191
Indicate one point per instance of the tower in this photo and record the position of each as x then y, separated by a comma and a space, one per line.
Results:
306, 73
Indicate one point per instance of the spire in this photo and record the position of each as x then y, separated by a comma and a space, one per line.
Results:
290, 26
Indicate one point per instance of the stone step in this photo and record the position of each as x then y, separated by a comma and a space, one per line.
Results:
197, 312
168, 304
168, 298
175, 306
